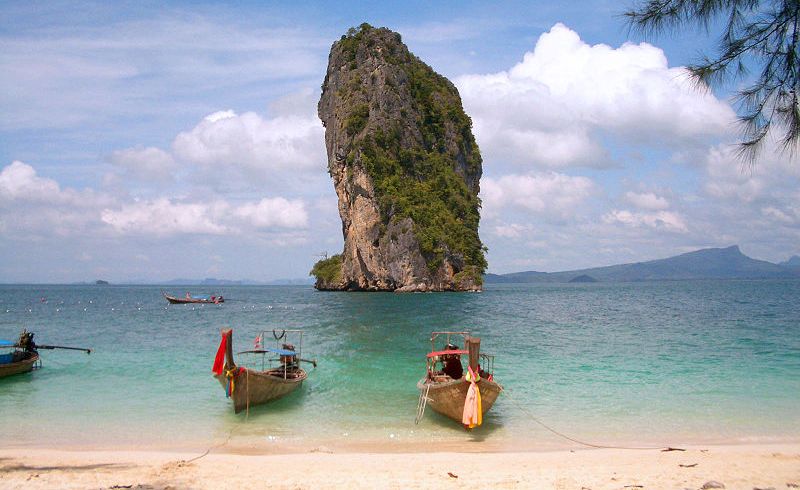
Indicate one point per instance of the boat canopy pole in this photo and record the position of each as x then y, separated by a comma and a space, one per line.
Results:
38, 346
229, 363
474, 347
312, 361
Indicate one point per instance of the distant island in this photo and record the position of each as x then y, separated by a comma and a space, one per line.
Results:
101, 282
211, 281
709, 263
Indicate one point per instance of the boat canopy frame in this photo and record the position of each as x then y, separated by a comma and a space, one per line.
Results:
486, 361
285, 335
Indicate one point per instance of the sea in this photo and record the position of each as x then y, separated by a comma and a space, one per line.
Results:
645, 364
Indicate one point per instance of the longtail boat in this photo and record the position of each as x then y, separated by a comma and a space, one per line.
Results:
193, 299
24, 354
248, 386
462, 395
17, 361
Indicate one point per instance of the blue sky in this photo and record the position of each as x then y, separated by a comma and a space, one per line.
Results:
143, 141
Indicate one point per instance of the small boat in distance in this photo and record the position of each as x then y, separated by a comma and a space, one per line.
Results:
463, 395
24, 354
193, 299
264, 381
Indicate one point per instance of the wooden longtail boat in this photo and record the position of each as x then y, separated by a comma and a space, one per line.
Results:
18, 361
25, 356
446, 384
249, 387
174, 300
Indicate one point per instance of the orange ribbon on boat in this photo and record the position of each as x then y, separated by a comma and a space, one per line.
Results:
473, 411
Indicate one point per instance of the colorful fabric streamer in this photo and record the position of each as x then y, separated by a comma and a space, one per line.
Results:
473, 410
219, 360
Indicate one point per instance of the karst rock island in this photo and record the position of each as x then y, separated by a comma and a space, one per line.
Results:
406, 169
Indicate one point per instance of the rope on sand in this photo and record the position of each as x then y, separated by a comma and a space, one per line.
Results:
230, 434
577, 441
226, 441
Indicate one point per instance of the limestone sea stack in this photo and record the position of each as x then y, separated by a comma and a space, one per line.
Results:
406, 170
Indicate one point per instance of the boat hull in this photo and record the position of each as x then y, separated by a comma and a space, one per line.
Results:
179, 301
19, 367
447, 397
253, 388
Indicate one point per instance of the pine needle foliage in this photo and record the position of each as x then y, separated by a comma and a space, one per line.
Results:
760, 34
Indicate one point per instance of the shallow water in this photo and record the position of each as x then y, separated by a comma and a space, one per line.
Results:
660, 363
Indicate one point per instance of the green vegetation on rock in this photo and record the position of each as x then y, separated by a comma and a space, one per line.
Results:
328, 271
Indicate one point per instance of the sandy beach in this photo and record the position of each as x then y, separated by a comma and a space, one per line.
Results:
736, 467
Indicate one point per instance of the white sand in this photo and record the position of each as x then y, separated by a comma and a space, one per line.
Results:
737, 467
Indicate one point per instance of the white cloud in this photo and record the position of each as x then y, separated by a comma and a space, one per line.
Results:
163, 217
20, 184
646, 200
666, 220
730, 178
545, 194
260, 146
33, 205
512, 230
274, 212
771, 187
788, 216
226, 151
145, 164
549, 109
19, 181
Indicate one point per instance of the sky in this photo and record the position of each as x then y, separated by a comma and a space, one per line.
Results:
147, 141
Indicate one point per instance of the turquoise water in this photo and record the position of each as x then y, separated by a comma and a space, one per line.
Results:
664, 363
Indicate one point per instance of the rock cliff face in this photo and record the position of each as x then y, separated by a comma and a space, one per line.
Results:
406, 170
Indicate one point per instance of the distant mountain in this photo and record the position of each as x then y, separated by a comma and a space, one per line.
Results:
527, 276
709, 263
303, 281
211, 281
793, 262
583, 278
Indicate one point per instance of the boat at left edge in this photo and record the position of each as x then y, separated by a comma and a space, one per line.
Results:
23, 356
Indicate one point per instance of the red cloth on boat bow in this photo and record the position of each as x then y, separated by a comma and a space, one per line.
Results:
219, 360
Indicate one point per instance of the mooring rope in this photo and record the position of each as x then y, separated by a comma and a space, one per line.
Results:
230, 433
247, 395
577, 441
226, 441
